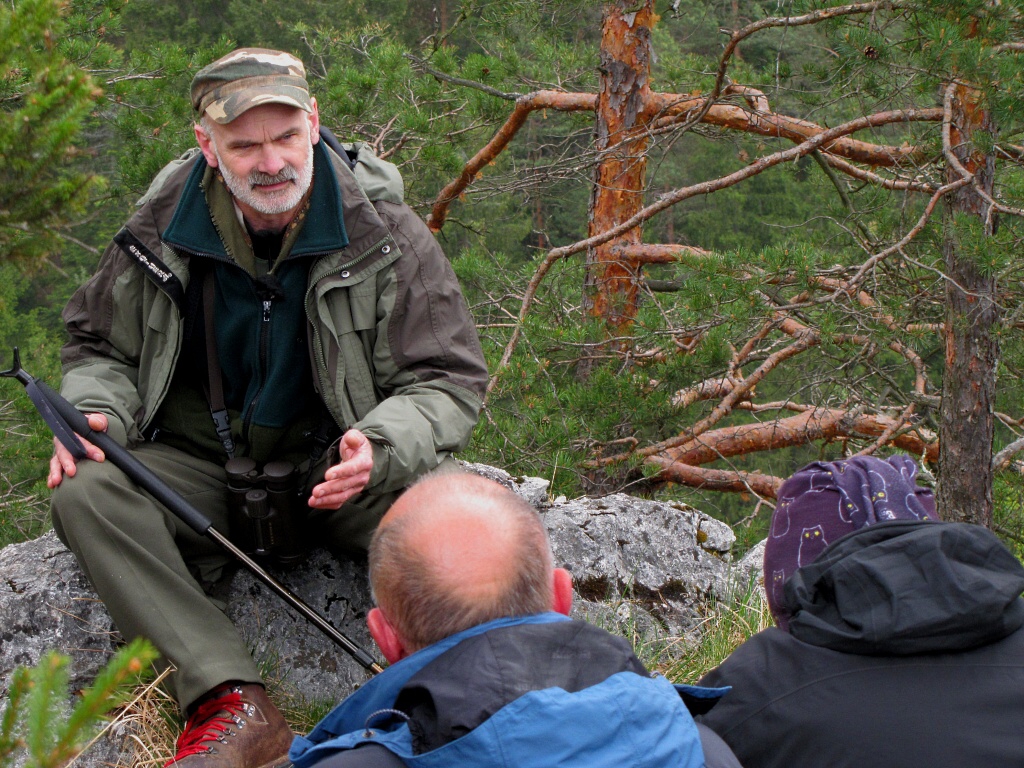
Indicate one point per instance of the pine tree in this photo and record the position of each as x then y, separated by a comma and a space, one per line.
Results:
44, 101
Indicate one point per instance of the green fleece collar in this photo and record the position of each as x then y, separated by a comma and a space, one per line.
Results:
192, 226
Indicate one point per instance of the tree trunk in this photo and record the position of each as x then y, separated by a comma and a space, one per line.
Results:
966, 420
623, 112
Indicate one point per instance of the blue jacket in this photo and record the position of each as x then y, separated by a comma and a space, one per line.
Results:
475, 699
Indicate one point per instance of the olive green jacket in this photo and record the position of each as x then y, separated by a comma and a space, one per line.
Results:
393, 347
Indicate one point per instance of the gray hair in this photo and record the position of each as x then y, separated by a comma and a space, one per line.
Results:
421, 605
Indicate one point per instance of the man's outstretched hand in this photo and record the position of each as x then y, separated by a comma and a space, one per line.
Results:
63, 463
349, 476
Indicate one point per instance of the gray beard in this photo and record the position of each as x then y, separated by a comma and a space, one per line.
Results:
269, 204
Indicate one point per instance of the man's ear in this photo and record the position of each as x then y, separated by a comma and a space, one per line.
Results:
385, 636
206, 145
314, 122
561, 591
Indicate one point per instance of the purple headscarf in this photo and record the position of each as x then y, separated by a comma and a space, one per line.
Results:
824, 501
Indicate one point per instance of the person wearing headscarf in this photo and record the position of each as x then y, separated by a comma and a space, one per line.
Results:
898, 640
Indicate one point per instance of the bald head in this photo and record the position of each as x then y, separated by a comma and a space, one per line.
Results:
457, 550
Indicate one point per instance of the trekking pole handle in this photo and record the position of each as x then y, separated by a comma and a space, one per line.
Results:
125, 461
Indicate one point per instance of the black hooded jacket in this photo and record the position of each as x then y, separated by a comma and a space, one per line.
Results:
905, 650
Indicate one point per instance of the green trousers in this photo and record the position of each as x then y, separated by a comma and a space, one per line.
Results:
152, 571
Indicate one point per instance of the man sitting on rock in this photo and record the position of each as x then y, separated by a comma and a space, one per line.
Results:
899, 641
486, 668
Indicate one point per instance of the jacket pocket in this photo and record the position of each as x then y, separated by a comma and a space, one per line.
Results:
353, 314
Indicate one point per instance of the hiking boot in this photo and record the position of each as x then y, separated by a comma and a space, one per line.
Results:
234, 726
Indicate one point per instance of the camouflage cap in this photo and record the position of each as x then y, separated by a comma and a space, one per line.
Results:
247, 78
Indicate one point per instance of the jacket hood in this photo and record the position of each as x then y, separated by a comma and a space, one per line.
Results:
908, 587
500, 667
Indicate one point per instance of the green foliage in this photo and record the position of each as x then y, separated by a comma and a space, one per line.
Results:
37, 720
1009, 511
44, 101
729, 621
25, 441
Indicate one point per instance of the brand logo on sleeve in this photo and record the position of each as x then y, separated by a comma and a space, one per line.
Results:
154, 268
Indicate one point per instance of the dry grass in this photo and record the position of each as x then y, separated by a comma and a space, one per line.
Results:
727, 621
149, 724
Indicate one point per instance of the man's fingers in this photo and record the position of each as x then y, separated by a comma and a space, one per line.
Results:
56, 472
63, 463
332, 500
333, 493
339, 473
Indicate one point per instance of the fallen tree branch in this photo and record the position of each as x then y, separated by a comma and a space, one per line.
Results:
718, 479
800, 429
720, 411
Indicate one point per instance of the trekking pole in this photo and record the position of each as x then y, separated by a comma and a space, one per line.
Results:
65, 421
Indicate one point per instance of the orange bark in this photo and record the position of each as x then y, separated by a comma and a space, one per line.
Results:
766, 486
673, 107
624, 105
645, 253
799, 429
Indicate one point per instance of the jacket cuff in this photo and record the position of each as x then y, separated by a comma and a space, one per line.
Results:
381, 461
116, 430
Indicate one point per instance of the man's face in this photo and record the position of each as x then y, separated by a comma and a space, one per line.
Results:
266, 158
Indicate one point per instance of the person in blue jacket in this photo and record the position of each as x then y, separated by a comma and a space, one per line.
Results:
486, 668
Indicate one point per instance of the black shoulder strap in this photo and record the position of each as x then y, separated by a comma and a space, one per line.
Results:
215, 388
332, 141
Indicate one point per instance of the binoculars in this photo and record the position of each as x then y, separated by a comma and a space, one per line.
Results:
266, 516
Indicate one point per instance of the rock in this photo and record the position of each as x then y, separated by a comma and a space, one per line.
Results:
533, 489
46, 602
302, 660
641, 568
668, 557
750, 567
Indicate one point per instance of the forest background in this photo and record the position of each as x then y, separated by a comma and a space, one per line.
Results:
690, 277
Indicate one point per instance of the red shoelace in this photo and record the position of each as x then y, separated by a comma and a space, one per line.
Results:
211, 720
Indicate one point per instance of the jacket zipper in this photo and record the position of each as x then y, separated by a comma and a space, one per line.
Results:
264, 343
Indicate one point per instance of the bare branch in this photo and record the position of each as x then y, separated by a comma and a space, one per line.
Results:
929, 209
810, 425
1002, 459
905, 185
892, 429
786, 21
423, 65
674, 108
568, 102
725, 407
646, 253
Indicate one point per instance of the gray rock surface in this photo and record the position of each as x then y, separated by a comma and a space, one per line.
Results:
639, 567
668, 558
